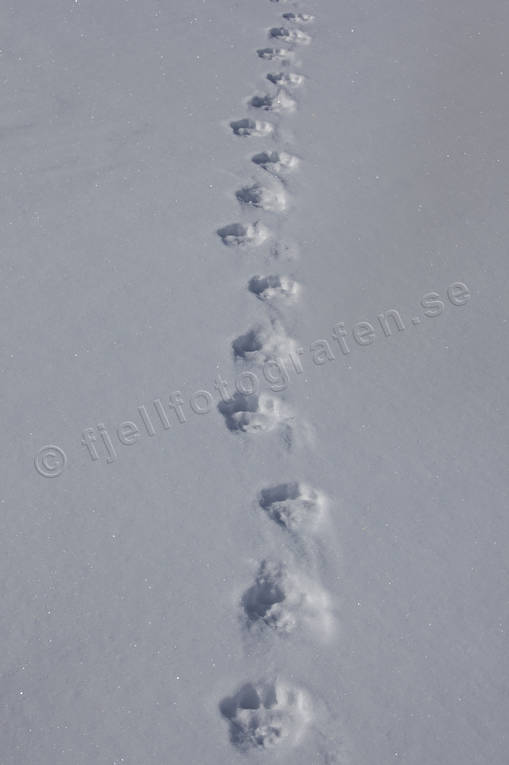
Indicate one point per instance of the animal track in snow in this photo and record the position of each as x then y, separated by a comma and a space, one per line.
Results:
281, 102
286, 79
244, 234
293, 506
284, 600
296, 36
263, 715
271, 199
249, 127
299, 18
275, 161
253, 414
276, 54
262, 343
274, 286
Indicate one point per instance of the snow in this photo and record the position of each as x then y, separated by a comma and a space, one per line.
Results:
155, 257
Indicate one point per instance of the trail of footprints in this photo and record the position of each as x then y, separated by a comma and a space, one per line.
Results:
282, 598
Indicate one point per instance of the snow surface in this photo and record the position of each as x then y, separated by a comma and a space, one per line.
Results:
314, 574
